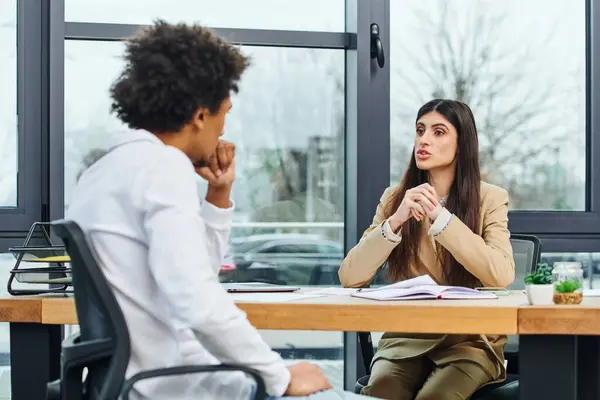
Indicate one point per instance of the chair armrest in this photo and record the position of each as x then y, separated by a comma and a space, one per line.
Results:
77, 355
75, 352
260, 392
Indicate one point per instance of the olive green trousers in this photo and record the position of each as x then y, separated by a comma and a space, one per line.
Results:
421, 379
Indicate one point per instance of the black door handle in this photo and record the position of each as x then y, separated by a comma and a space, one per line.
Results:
377, 46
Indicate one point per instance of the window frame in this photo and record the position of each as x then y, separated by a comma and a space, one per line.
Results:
106, 32
39, 69
367, 137
356, 43
367, 145
575, 231
31, 207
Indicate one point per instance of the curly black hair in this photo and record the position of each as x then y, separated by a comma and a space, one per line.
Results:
172, 70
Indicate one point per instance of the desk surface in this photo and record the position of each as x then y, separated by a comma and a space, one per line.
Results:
582, 319
506, 315
330, 313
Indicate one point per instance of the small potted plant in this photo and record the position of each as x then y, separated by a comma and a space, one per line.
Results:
538, 285
568, 292
568, 282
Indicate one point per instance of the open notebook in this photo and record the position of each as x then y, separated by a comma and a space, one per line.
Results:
422, 287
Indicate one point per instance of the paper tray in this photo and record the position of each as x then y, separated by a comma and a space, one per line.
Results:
42, 275
37, 252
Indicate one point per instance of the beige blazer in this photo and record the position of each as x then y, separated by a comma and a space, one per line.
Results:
487, 254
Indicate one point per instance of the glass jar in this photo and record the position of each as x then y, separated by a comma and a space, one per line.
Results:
567, 278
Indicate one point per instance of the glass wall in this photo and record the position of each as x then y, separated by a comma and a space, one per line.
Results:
9, 156
256, 14
312, 147
289, 190
524, 78
590, 262
288, 123
8, 103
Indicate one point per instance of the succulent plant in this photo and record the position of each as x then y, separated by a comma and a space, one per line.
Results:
541, 276
567, 286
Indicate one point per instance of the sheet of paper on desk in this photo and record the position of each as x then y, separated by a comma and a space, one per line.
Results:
271, 297
422, 287
334, 291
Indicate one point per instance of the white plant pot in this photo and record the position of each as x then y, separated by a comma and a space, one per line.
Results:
540, 295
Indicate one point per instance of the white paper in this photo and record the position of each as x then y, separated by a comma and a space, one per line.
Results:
391, 293
423, 280
270, 297
422, 287
333, 291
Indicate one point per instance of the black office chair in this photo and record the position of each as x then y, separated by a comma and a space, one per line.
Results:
103, 344
526, 252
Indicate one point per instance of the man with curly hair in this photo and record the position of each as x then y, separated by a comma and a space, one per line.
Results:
159, 245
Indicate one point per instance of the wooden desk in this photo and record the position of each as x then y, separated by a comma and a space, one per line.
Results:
560, 342
582, 319
36, 322
331, 313
552, 349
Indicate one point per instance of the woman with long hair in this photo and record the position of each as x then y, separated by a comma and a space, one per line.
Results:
443, 221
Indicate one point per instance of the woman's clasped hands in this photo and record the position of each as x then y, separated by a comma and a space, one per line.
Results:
418, 203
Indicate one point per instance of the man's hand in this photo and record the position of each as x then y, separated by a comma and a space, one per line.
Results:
306, 379
220, 172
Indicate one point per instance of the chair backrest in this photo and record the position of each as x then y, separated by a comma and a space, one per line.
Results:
99, 314
526, 253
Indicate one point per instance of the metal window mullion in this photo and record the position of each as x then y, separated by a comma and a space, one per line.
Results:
367, 155
246, 37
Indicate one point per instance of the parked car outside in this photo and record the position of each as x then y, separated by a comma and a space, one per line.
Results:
285, 259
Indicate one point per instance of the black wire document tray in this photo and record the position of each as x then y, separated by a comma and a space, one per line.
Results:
43, 275
28, 272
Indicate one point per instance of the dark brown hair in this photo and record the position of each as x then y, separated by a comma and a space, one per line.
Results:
463, 198
170, 71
